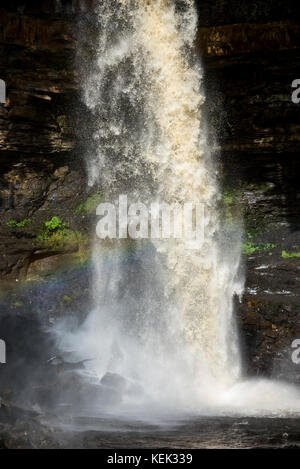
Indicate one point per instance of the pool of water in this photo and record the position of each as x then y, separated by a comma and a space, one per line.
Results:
205, 432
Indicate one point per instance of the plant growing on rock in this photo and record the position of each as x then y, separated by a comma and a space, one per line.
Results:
289, 255
55, 224
249, 247
20, 224
56, 234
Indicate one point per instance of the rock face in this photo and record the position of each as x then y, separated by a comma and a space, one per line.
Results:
42, 173
266, 191
250, 55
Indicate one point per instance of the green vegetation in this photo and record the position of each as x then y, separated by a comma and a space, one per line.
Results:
227, 198
55, 224
18, 304
237, 207
19, 224
61, 239
289, 255
231, 207
249, 247
268, 246
66, 299
56, 234
91, 203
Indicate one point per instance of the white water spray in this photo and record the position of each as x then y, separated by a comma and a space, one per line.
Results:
163, 315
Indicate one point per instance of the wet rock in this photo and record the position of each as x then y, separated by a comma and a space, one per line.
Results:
26, 434
122, 385
6, 394
10, 413
42, 174
61, 365
114, 380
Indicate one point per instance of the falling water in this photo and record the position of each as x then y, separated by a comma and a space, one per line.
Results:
163, 314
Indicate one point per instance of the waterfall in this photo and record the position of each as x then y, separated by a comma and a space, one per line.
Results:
163, 313
144, 91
